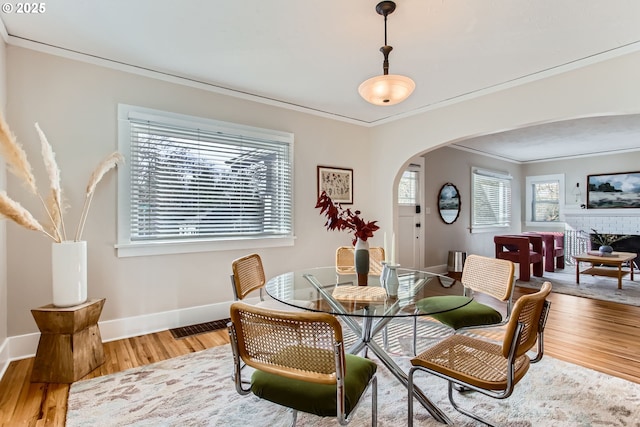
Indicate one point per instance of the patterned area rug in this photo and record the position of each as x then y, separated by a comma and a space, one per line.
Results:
197, 390
594, 287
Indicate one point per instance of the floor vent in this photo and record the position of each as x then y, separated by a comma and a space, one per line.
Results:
200, 328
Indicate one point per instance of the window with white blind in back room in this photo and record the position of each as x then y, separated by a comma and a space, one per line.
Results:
491, 200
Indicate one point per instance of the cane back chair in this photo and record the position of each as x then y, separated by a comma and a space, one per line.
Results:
345, 260
299, 362
485, 278
489, 368
248, 276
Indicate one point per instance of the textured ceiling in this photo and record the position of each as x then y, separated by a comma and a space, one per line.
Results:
312, 56
552, 141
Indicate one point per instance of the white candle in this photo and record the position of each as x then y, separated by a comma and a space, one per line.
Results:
386, 254
393, 249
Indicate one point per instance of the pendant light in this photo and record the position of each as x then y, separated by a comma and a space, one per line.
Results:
387, 89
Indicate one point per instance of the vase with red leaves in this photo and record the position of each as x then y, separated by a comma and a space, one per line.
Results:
339, 218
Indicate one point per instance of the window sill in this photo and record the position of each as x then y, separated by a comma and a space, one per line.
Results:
557, 224
494, 229
183, 247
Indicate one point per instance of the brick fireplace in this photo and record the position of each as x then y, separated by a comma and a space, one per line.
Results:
581, 222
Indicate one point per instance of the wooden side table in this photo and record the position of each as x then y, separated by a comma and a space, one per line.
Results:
70, 343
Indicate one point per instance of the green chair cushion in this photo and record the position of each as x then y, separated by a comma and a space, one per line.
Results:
440, 304
318, 399
472, 314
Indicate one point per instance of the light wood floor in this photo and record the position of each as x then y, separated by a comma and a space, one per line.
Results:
596, 334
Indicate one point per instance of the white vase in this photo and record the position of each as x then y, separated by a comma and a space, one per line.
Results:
69, 273
392, 283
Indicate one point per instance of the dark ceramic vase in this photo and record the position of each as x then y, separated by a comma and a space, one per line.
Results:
361, 261
605, 249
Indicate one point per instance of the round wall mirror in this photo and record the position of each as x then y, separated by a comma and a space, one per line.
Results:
449, 203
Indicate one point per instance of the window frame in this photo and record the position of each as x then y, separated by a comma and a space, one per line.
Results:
126, 247
539, 179
416, 190
498, 175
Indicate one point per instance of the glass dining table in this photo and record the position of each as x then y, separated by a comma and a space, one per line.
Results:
367, 310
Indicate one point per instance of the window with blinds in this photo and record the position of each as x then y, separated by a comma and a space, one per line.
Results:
193, 179
491, 203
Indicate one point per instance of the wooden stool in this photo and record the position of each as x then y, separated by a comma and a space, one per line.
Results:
70, 344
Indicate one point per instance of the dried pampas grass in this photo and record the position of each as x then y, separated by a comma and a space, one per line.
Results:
55, 196
16, 158
17, 213
110, 162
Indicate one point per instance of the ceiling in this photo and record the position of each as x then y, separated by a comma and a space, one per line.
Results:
311, 55
554, 141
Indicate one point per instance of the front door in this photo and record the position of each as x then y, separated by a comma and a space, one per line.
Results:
410, 234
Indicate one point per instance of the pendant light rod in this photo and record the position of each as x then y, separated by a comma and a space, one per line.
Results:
384, 8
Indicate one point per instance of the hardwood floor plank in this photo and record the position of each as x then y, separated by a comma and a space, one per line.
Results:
55, 406
14, 378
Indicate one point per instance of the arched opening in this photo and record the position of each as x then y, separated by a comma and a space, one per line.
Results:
574, 148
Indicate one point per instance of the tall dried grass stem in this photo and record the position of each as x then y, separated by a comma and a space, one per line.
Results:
110, 162
15, 156
55, 217
13, 210
53, 172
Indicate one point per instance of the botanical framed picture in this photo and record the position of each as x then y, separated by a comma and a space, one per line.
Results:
615, 190
337, 182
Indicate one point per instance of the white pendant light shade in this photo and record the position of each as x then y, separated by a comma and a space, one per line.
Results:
387, 89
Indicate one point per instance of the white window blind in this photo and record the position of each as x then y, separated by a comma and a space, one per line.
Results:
491, 204
194, 179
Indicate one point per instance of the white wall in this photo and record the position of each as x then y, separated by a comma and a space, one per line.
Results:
577, 170
609, 87
75, 104
607, 221
447, 164
450, 165
3, 240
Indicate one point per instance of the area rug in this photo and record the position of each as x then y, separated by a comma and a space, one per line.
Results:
594, 287
197, 390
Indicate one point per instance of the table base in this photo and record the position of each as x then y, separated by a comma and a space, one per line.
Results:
366, 333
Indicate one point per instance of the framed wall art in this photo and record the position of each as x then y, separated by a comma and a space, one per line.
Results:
615, 190
337, 182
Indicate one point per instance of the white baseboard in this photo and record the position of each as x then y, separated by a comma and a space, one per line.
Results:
438, 269
23, 346
4, 356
